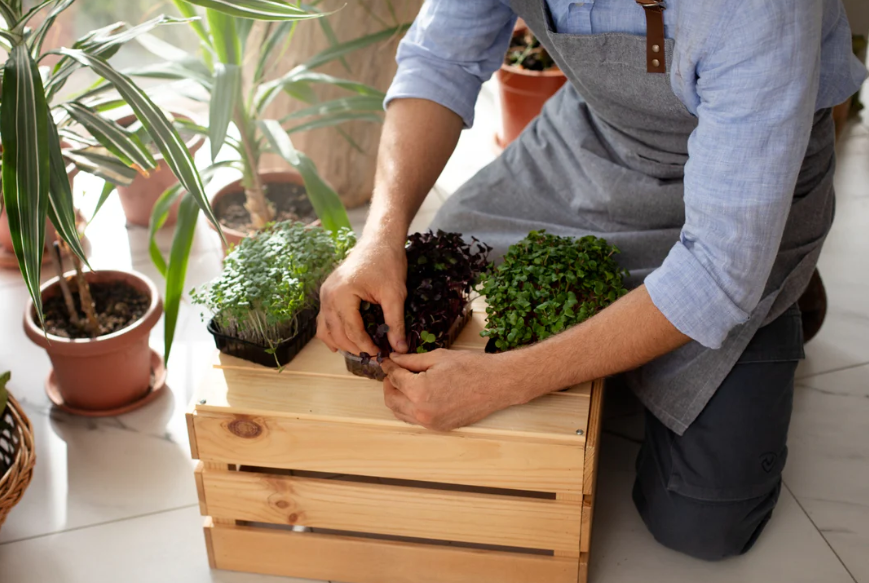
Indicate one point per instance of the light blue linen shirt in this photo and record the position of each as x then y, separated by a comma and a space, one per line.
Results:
752, 71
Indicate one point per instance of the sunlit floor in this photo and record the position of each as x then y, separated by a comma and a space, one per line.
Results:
113, 500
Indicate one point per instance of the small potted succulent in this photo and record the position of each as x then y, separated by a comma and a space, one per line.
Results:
17, 452
527, 79
441, 272
264, 305
547, 284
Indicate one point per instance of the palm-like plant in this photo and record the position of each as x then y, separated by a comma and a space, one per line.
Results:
227, 45
33, 119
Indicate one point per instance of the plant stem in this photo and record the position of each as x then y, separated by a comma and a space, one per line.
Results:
64, 286
256, 203
87, 303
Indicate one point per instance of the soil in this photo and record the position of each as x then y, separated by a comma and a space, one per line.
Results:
289, 200
526, 52
117, 306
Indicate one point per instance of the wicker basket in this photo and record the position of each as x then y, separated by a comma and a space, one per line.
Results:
18, 449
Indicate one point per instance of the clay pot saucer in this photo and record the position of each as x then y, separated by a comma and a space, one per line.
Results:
159, 373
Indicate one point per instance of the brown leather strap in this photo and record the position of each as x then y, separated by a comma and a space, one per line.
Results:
656, 60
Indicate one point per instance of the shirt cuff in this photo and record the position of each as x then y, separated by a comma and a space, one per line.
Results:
692, 300
454, 88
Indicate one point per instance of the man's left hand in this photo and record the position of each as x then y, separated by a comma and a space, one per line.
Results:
447, 389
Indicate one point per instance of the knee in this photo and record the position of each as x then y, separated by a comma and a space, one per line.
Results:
708, 530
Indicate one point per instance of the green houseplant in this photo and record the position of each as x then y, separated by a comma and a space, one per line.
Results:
264, 304
545, 285
101, 361
228, 41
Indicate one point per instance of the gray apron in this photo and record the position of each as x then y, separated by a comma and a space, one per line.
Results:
606, 157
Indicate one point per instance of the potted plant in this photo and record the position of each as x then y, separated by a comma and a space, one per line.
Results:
527, 79
547, 284
257, 198
139, 197
111, 367
441, 272
264, 305
17, 452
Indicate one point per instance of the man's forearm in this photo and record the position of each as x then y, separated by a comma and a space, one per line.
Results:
417, 140
627, 334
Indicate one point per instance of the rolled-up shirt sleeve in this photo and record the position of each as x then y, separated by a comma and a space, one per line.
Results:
757, 88
453, 47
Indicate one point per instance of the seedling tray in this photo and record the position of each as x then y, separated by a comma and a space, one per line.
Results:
372, 369
283, 352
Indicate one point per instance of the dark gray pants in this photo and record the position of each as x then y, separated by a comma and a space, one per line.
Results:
710, 492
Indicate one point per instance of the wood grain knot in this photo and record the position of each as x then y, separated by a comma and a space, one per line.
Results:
282, 504
245, 429
293, 518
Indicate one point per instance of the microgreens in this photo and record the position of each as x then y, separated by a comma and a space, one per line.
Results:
547, 284
441, 271
270, 278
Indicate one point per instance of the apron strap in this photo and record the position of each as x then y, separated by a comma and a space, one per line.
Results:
656, 60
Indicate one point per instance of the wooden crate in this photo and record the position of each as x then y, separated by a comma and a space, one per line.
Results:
306, 473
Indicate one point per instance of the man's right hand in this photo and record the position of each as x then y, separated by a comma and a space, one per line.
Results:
375, 272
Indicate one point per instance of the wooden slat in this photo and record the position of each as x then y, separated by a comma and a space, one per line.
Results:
407, 453
582, 576
200, 488
209, 542
356, 560
191, 434
585, 525
592, 441
260, 391
509, 521
469, 338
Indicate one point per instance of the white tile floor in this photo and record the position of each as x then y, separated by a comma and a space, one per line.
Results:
114, 500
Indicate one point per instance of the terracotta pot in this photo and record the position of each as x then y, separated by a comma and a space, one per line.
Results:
523, 94
106, 372
234, 237
50, 233
139, 197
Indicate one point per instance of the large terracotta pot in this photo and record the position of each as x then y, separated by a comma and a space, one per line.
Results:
523, 94
50, 233
106, 372
234, 237
139, 197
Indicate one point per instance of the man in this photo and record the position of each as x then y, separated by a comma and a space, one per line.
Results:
695, 136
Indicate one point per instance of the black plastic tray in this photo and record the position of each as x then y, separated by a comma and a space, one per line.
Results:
372, 368
284, 352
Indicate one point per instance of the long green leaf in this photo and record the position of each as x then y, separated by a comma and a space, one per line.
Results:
227, 45
159, 214
334, 119
26, 164
338, 51
179, 256
102, 164
297, 83
340, 105
326, 202
192, 69
108, 189
61, 209
257, 9
38, 36
161, 49
227, 92
274, 36
103, 43
243, 26
162, 131
4, 394
22, 23
125, 145
187, 11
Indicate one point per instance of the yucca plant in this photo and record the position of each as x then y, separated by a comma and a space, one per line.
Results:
224, 33
33, 119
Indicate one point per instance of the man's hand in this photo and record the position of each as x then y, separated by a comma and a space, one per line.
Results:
374, 272
452, 388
